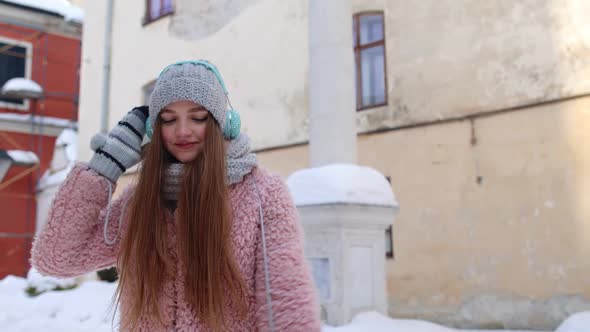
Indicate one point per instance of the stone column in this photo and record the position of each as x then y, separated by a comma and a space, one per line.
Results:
332, 107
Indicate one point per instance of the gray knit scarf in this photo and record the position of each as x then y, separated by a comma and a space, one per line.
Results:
239, 159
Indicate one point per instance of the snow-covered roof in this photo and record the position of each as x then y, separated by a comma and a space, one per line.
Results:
61, 7
22, 87
23, 158
340, 183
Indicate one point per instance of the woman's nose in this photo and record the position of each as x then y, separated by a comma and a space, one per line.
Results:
183, 129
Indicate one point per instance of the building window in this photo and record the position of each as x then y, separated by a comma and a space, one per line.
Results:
156, 9
369, 53
14, 62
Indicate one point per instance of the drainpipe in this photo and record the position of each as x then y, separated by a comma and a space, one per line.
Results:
106, 74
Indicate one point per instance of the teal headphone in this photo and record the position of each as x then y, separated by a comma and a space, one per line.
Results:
231, 128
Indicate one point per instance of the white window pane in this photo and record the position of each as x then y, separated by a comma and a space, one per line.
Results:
371, 28
373, 76
155, 9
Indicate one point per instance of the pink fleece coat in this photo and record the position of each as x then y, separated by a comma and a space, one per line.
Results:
72, 244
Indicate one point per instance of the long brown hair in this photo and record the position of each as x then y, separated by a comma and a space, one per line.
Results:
203, 234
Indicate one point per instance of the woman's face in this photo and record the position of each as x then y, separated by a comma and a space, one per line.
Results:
183, 128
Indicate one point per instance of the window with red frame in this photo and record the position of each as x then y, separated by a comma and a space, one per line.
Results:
369, 53
158, 8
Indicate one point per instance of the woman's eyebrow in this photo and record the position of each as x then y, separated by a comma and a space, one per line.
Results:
198, 109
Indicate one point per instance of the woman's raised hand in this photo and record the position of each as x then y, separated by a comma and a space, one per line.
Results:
121, 148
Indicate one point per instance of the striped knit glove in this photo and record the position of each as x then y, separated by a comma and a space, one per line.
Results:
121, 149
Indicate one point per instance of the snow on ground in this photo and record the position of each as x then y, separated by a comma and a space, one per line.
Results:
42, 283
82, 309
579, 322
375, 322
87, 308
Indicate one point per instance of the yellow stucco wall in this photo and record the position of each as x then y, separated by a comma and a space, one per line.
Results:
519, 234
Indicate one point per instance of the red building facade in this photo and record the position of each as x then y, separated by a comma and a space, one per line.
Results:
42, 46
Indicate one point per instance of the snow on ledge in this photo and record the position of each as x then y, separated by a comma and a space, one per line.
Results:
23, 157
21, 85
340, 183
38, 120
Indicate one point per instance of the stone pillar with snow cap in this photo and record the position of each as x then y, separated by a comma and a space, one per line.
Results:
344, 210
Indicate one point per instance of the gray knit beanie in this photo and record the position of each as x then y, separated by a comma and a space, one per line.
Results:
191, 82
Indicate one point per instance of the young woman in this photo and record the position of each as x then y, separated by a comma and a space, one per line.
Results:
205, 241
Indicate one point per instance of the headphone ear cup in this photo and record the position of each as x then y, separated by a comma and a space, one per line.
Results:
149, 131
233, 124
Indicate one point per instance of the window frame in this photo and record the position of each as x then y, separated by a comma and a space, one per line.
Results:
147, 19
28, 71
358, 48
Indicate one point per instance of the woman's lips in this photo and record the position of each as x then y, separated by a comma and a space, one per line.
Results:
185, 146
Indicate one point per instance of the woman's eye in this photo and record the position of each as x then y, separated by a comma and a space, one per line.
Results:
200, 119
167, 121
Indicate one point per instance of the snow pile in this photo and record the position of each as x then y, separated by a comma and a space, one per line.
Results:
375, 322
42, 283
579, 322
82, 309
64, 158
61, 7
25, 158
340, 183
22, 87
